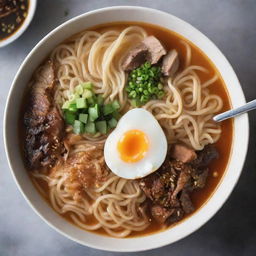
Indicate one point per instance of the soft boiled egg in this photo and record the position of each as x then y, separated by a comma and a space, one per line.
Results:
137, 147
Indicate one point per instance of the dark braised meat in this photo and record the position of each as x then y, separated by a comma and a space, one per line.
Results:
186, 202
169, 188
161, 214
163, 189
44, 126
205, 156
199, 177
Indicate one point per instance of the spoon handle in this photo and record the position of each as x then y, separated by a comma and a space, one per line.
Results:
235, 112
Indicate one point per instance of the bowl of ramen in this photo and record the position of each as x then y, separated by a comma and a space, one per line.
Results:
15, 17
109, 134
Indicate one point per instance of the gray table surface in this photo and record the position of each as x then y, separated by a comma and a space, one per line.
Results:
232, 231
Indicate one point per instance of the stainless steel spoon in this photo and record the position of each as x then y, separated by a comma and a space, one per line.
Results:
236, 111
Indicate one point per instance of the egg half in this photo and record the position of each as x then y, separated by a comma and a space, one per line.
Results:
137, 147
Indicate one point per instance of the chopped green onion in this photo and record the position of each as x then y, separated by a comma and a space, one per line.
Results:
78, 127
160, 86
116, 115
79, 89
100, 100
147, 65
81, 103
66, 105
93, 112
108, 109
91, 100
160, 94
90, 128
69, 117
135, 103
72, 107
155, 90
112, 123
83, 118
144, 84
101, 127
87, 94
73, 97
87, 85
87, 113
115, 105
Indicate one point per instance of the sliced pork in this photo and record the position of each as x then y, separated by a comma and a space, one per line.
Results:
170, 63
150, 49
155, 49
135, 58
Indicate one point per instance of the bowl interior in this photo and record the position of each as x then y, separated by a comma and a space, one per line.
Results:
38, 54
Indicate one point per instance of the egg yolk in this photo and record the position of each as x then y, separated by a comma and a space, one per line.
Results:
133, 146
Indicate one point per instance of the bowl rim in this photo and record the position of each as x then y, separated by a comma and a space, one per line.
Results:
23, 27
212, 205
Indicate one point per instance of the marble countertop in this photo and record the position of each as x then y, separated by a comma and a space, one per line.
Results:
232, 231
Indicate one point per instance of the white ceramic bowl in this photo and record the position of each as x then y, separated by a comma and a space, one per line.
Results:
24, 26
11, 138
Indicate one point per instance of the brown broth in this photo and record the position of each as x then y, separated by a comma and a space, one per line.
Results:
12, 15
224, 145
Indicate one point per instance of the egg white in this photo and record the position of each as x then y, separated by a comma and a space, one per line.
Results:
139, 119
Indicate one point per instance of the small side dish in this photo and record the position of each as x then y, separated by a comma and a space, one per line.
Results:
15, 16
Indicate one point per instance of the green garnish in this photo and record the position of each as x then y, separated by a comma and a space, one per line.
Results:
78, 127
116, 115
108, 109
79, 89
93, 112
87, 113
135, 102
66, 105
100, 100
72, 107
87, 94
144, 84
87, 85
69, 117
81, 103
112, 123
101, 127
90, 128
115, 105
83, 118
91, 100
